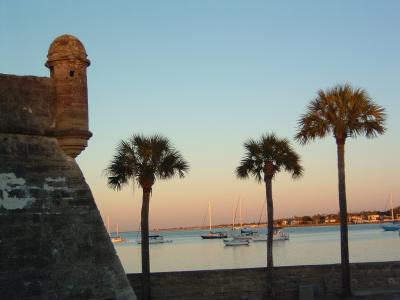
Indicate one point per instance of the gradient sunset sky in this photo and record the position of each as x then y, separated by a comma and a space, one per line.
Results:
211, 74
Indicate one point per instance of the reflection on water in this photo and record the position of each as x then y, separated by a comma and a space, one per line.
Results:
307, 245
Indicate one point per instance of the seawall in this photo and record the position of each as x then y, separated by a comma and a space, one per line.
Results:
251, 283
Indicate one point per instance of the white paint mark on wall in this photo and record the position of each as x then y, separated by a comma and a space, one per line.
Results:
27, 109
55, 184
14, 193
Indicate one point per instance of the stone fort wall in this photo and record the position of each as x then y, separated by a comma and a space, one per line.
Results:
53, 243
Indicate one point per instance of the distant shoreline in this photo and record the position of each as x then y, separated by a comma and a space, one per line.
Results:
262, 225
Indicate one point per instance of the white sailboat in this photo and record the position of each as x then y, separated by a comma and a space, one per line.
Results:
153, 238
278, 235
244, 233
114, 238
213, 234
394, 226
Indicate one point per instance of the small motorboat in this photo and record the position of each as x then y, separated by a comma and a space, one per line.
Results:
278, 235
117, 239
391, 227
249, 232
214, 235
236, 242
155, 239
242, 237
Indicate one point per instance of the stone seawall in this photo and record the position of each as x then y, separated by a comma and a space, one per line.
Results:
250, 283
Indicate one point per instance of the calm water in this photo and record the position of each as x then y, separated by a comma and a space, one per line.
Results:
307, 245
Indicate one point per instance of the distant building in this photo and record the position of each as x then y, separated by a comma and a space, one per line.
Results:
284, 222
331, 219
373, 218
356, 219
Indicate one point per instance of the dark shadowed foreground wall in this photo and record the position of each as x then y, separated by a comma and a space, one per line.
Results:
250, 283
53, 244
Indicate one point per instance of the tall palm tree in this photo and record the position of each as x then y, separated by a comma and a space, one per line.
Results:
344, 112
262, 160
143, 160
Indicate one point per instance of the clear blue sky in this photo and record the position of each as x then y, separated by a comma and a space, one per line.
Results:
209, 75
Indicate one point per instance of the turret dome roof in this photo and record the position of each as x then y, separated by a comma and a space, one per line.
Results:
68, 47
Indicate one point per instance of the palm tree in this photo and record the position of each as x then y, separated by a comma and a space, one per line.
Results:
262, 160
143, 160
344, 112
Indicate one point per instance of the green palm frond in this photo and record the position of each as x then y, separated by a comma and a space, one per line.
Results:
144, 159
269, 150
342, 111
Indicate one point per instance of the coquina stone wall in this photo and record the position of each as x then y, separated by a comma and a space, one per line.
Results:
242, 284
53, 243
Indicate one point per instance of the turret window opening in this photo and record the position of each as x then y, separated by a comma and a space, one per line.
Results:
71, 73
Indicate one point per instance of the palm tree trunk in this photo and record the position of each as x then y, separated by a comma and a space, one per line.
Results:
344, 242
270, 214
146, 295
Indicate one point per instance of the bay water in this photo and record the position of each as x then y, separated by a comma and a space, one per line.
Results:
307, 246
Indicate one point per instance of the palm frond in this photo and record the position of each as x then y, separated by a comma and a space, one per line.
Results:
342, 111
143, 160
268, 152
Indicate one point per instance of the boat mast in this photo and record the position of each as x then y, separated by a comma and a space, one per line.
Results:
108, 224
233, 215
209, 212
240, 212
391, 205
259, 219
117, 230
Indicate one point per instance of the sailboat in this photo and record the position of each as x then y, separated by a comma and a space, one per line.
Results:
155, 239
278, 233
394, 226
114, 238
213, 234
245, 233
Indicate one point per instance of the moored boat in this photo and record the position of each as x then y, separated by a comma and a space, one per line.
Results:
115, 238
278, 235
241, 232
391, 227
236, 242
249, 232
213, 234
155, 239
394, 226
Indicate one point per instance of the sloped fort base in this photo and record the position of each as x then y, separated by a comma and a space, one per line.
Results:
53, 241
